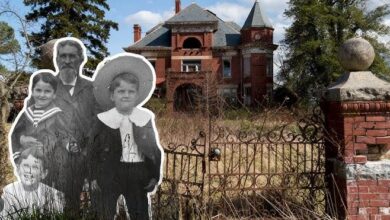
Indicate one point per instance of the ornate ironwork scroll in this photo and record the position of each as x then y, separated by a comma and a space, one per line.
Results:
287, 159
183, 181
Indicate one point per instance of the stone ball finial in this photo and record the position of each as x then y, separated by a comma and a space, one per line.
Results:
356, 54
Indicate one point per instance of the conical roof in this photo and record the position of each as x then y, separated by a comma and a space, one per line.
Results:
257, 18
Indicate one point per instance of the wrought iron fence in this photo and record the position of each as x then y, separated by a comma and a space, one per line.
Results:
244, 173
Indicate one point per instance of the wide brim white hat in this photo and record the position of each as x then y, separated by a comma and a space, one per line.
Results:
109, 68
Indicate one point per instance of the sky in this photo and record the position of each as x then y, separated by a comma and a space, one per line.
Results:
148, 13
151, 12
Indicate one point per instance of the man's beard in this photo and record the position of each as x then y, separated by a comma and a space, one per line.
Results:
68, 75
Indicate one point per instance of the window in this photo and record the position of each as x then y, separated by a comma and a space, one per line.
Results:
247, 66
270, 68
153, 62
191, 66
227, 73
192, 43
229, 94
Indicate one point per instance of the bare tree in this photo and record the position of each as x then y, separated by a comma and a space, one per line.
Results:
17, 60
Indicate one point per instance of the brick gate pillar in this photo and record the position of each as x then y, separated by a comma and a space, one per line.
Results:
357, 117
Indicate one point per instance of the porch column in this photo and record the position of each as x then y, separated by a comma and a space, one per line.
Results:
357, 116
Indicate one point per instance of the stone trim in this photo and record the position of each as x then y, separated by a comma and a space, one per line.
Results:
372, 170
358, 86
360, 107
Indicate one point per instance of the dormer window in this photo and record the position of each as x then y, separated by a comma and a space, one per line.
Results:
192, 43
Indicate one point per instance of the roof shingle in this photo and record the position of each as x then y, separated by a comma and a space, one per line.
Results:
193, 14
227, 33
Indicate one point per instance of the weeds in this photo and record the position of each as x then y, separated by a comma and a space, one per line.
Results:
184, 195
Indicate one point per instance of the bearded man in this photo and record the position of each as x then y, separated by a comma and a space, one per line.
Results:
74, 93
75, 97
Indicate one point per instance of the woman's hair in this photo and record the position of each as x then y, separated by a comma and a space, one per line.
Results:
47, 78
127, 77
36, 152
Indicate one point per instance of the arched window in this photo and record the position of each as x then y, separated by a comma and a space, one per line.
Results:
191, 43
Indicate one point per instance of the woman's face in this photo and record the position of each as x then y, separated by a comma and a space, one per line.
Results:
125, 97
43, 94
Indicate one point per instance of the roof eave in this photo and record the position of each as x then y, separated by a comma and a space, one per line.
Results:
219, 48
146, 48
259, 44
257, 27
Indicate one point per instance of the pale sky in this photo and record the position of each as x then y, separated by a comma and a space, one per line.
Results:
148, 13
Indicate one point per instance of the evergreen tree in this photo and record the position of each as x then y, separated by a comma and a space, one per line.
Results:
319, 28
83, 19
8, 43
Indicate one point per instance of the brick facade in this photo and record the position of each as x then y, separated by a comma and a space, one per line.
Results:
361, 132
357, 120
218, 42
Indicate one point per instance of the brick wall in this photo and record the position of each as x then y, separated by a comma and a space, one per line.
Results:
368, 199
360, 133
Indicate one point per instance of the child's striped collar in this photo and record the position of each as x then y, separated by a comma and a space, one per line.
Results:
37, 115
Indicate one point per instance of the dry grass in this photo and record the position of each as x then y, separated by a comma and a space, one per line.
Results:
221, 192
178, 130
6, 170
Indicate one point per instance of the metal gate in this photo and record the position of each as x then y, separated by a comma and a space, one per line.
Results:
245, 173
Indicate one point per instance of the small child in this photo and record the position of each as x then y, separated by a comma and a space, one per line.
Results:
28, 194
125, 157
44, 125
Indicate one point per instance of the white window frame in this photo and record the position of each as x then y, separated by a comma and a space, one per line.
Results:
186, 67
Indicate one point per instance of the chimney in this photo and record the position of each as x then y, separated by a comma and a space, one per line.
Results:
137, 32
177, 6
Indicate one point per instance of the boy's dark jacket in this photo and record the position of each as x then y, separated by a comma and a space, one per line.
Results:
105, 150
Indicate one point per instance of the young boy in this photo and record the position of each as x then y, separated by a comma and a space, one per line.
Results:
29, 194
125, 154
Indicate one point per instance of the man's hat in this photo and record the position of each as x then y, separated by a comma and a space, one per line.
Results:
109, 68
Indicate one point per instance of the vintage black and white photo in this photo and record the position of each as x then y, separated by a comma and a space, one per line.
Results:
80, 139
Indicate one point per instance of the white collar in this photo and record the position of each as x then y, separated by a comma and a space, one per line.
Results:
113, 119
